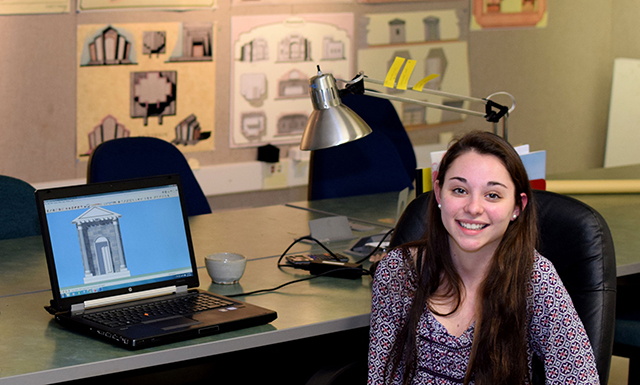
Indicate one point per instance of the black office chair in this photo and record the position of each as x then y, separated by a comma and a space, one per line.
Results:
18, 212
137, 157
576, 239
382, 161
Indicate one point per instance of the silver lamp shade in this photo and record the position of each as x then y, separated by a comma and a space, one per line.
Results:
331, 123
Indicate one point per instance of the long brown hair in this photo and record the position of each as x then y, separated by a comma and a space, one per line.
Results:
499, 350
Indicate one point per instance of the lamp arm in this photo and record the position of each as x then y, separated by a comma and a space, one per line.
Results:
423, 103
493, 111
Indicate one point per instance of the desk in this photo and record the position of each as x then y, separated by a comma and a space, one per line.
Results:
621, 211
36, 350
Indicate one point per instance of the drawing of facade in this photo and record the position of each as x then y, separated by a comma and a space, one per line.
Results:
255, 50
196, 43
292, 124
101, 245
413, 114
293, 85
108, 129
431, 28
294, 48
253, 86
109, 48
435, 63
397, 32
154, 42
188, 132
253, 125
153, 94
331, 49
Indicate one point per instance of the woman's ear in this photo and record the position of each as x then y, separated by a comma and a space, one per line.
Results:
436, 190
523, 203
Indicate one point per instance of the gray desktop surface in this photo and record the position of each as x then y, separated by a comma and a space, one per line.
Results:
36, 350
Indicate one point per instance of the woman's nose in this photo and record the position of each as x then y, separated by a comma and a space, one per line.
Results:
474, 206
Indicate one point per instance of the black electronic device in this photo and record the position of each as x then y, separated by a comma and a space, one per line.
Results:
306, 259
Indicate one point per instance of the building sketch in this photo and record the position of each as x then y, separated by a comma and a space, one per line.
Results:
108, 129
101, 245
332, 49
154, 42
294, 84
188, 132
431, 28
255, 50
294, 48
253, 87
292, 124
253, 125
153, 94
397, 31
109, 48
196, 43
435, 63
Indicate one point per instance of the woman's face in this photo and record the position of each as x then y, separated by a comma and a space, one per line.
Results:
478, 202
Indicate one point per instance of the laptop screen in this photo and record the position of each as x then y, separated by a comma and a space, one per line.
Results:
117, 241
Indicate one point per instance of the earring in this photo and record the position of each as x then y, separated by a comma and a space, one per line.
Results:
515, 216
439, 206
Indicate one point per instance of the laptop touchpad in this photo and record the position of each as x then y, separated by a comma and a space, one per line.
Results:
173, 323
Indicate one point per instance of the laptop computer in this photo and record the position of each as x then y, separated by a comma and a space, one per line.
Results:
119, 251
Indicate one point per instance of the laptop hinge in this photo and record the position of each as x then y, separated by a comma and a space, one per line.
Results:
126, 297
77, 308
182, 289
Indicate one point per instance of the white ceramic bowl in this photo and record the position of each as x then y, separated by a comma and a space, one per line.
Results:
225, 268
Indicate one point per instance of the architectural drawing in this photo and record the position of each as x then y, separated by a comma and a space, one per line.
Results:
153, 94
196, 43
101, 245
273, 58
154, 42
188, 132
108, 129
109, 47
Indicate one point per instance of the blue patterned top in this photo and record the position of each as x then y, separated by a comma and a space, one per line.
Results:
556, 333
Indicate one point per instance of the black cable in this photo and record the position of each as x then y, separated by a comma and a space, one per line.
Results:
307, 237
376, 248
364, 271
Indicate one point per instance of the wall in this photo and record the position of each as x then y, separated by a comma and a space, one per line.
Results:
559, 75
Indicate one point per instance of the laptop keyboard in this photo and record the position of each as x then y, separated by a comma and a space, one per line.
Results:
183, 305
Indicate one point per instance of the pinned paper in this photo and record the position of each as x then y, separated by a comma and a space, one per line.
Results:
420, 85
406, 74
390, 80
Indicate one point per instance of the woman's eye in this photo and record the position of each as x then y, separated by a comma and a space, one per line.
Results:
493, 196
459, 190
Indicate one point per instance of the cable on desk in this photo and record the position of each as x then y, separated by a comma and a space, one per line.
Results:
376, 248
310, 238
363, 271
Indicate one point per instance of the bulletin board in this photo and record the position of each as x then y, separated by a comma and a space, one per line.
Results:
147, 79
273, 57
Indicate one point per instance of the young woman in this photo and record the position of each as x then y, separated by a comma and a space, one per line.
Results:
473, 302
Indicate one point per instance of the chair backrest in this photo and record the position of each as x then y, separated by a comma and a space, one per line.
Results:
576, 239
383, 161
18, 212
137, 157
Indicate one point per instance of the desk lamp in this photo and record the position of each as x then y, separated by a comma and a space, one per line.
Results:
332, 123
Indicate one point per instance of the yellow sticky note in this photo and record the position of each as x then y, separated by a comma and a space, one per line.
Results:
420, 85
406, 74
390, 80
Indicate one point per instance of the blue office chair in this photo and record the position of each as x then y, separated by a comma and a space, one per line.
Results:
382, 161
137, 157
18, 212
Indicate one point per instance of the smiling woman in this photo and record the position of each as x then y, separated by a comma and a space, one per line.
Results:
469, 303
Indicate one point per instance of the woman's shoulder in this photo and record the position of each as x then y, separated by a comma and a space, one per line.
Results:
396, 265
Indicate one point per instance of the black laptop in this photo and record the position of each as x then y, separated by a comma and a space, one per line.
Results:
122, 265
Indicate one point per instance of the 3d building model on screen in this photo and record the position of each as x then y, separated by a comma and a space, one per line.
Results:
101, 245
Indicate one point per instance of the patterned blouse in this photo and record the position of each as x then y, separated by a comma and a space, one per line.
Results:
556, 333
